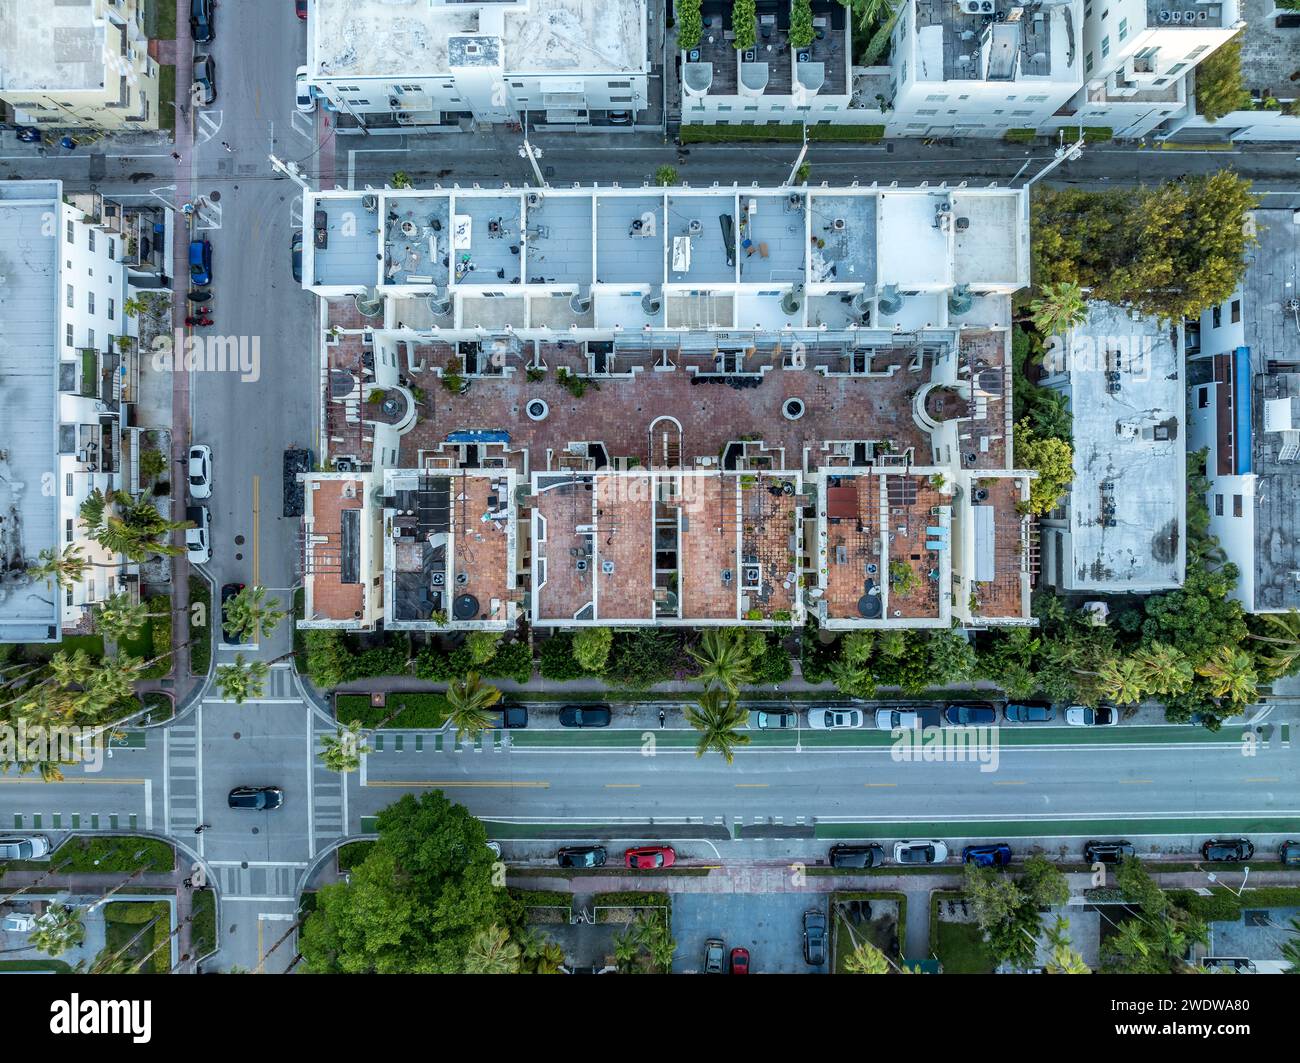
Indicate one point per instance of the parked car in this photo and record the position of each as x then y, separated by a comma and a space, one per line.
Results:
1084, 716
303, 97
649, 857
295, 255
1108, 852
772, 721
257, 798
814, 937
300, 9
920, 852
1228, 850
857, 855
585, 716
740, 961
970, 715
714, 952
512, 717
1289, 853
1029, 712
897, 719
28, 134
198, 539
987, 855
27, 847
834, 719
205, 80
200, 262
201, 31
228, 591
581, 856
199, 468
620, 117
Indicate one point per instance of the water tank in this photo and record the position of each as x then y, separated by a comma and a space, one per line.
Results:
960, 299
580, 303
651, 304
890, 301
792, 300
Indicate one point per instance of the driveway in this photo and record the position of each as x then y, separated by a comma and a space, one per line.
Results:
770, 925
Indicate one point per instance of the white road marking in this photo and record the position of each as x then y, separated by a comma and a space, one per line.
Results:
304, 125
208, 126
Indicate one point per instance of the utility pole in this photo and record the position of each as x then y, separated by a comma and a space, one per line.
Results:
799, 161
527, 151
1064, 153
291, 170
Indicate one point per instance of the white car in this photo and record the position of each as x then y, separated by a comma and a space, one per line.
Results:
304, 98
904, 719
200, 471
27, 847
198, 539
834, 719
1082, 716
920, 852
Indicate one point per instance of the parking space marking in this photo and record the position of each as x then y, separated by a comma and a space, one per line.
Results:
207, 215
304, 125
209, 125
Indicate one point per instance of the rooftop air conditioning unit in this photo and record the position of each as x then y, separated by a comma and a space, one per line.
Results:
838, 225
1189, 17
972, 7
1163, 16
370, 204
1176, 17
534, 200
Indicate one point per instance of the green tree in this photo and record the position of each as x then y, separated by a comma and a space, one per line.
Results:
468, 702
61, 569
1199, 618
1220, 87
129, 526
120, 619
866, 959
666, 175
689, 24
1279, 634
724, 657
720, 724
591, 646
1135, 884
1162, 669
242, 679
855, 680
1291, 947
492, 952
1058, 308
1052, 459
1120, 681
744, 23
343, 750
482, 646
248, 616
1043, 883
1231, 674
1004, 913
153, 463
801, 32
1064, 960
416, 902
58, 929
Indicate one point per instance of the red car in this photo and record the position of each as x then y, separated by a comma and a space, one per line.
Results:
300, 9
650, 857
740, 961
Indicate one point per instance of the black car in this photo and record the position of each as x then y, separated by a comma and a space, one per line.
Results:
1289, 853
228, 591
970, 715
585, 716
1029, 712
1227, 850
512, 717
857, 856
814, 937
258, 798
1108, 852
201, 21
295, 255
581, 856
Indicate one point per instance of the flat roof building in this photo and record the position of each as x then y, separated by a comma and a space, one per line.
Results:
1121, 527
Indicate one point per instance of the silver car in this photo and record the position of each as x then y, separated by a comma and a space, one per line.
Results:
31, 847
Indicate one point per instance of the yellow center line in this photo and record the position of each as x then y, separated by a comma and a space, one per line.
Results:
446, 784
1135, 782
880, 784
752, 785
1262, 778
622, 786
1008, 782
257, 482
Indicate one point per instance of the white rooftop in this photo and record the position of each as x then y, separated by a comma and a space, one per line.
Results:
410, 38
1128, 501
51, 44
29, 360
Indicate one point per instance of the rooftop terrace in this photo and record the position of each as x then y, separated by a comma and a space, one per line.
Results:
53, 44
1005, 42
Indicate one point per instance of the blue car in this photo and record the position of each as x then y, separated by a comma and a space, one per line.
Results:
987, 855
200, 262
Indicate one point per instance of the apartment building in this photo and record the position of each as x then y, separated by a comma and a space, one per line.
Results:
773, 82
642, 405
1122, 526
83, 260
78, 64
981, 67
1244, 409
398, 66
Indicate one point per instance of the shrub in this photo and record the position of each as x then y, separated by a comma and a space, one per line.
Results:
556, 660
801, 24
153, 463
1020, 136
514, 661
1219, 85
644, 657
438, 666
772, 665
689, 24
162, 637
482, 646
591, 648
744, 23
200, 634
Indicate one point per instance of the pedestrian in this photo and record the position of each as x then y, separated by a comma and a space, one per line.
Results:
227, 146
662, 717
201, 828
176, 155
188, 883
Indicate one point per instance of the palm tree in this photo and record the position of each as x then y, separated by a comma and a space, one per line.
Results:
129, 526
58, 929
1058, 308
468, 702
249, 616
1119, 681
243, 679
1163, 669
1064, 960
492, 952
855, 680
119, 618
1281, 635
1291, 947
724, 658
61, 570
1231, 674
133, 306
342, 751
867, 959
719, 724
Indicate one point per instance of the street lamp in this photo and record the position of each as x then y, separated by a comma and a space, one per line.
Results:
1214, 879
1064, 153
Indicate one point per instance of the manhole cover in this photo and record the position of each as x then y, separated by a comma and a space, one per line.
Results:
239, 557
239, 540
236, 736
244, 863
215, 197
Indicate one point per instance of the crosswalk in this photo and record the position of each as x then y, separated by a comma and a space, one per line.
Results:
181, 796
245, 879
329, 801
